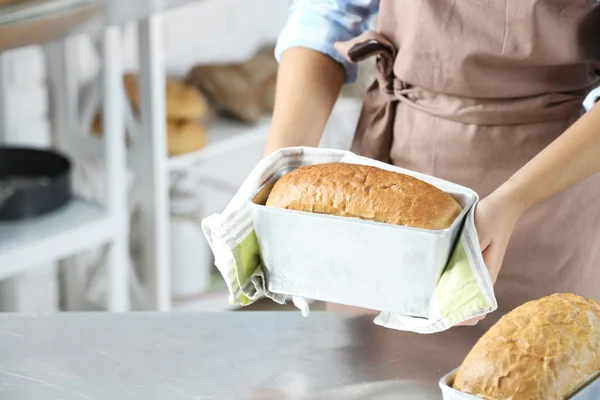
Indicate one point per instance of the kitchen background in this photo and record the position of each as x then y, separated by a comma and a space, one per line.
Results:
221, 53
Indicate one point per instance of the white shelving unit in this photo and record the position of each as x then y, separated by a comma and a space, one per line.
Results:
78, 226
225, 137
84, 225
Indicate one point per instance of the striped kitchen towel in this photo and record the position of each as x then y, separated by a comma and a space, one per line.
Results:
464, 291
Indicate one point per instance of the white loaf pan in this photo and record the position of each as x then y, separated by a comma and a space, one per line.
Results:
354, 262
590, 390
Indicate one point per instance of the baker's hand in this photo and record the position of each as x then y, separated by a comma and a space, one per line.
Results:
495, 219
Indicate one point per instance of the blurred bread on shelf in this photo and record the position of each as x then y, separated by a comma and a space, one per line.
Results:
186, 110
230, 89
183, 101
185, 136
262, 66
262, 70
245, 91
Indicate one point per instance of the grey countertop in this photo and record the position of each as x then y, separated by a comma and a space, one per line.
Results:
242, 355
41, 21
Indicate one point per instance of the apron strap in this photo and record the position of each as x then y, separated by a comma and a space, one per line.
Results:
373, 44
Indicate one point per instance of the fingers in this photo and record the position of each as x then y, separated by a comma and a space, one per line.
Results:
472, 322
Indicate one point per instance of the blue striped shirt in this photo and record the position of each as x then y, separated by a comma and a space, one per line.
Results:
318, 24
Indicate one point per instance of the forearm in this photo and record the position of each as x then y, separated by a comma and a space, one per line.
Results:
571, 158
308, 84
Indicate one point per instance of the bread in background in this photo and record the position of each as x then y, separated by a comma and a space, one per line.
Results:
186, 110
261, 67
245, 91
230, 89
183, 101
185, 136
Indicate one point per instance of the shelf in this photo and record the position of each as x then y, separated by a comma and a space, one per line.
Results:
77, 226
22, 11
223, 137
42, 21
36, 22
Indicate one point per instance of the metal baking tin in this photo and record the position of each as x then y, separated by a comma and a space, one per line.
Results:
589, 390
32, 182
351, 261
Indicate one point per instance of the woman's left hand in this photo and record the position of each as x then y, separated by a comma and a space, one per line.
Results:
568, 160
495, 219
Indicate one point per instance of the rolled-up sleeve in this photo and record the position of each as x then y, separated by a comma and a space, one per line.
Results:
318, 24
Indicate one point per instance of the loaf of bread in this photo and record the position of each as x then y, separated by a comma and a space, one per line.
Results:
183, 101
365, 192
245, 91
542, 350
183, 136
230, 89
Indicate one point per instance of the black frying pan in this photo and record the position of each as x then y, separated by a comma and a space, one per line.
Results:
32, 182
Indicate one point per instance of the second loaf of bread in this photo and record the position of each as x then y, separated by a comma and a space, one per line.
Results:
365, 192
543, 350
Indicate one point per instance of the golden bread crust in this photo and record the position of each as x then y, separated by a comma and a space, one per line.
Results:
543, 349
365, 192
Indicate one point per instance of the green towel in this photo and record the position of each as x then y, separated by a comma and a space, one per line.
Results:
464, 291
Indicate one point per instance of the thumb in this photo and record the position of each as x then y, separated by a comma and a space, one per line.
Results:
492, 259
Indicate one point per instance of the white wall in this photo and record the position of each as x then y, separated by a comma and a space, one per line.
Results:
209, 31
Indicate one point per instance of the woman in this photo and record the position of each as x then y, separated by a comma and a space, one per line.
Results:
488, 95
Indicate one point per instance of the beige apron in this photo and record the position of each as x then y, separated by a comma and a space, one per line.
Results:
470, 91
